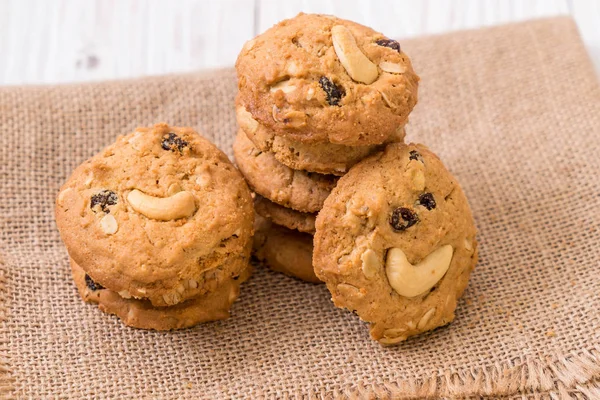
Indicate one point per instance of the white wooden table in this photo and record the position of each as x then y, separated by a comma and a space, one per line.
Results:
55, 41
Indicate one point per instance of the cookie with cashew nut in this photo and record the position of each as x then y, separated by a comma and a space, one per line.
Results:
141, 314
161, 215
322, 158
321, 79
395, 242
300, 190
284, 250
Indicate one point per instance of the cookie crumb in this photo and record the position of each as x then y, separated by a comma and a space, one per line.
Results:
550, 333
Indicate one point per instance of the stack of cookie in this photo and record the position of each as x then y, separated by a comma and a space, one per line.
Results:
322, 106
158, 227
317, 94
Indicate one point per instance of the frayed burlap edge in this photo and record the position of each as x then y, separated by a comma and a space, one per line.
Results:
563, 377
6, 380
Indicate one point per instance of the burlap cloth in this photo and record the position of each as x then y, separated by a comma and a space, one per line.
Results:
513, 111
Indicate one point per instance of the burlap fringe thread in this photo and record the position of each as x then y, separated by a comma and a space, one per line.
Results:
569, 378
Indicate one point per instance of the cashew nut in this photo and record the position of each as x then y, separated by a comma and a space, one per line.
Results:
347, 290
173, 188
388, 341
392, 68
171, 298
413, 280
418, 180
89, 179
292, 68
180, 205
425, 318
284, 86
358, 66
109, 225
246, 120
294, 119
468, 245
370, 263
387, 99
61, 196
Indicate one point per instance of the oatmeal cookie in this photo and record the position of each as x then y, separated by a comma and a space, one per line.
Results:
395, 242
141, 314
158, 215
318, 78
303, 191
284, 250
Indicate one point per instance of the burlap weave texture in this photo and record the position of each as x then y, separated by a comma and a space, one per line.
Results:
513, 111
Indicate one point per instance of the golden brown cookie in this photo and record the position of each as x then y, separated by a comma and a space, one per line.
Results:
300, 190
284, 250
323, 158
159, 215
291, 219
395, 242
318, 78
141, 314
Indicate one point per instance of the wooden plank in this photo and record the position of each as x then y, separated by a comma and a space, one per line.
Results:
405, 18
587, 15
73, 40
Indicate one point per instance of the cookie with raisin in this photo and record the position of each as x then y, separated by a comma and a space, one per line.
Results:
142, 314
158, 215
317, 78
395, 242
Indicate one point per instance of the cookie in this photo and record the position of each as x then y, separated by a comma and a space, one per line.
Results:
300, 190
395, 242
141, 314
323, 158
291, 219
284, 250
317, 78
158, 215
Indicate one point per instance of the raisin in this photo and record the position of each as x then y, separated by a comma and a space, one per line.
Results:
334, 92
103, 199
93, 286
392, 44
403, 218
427, 201
173, 142
415, 155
